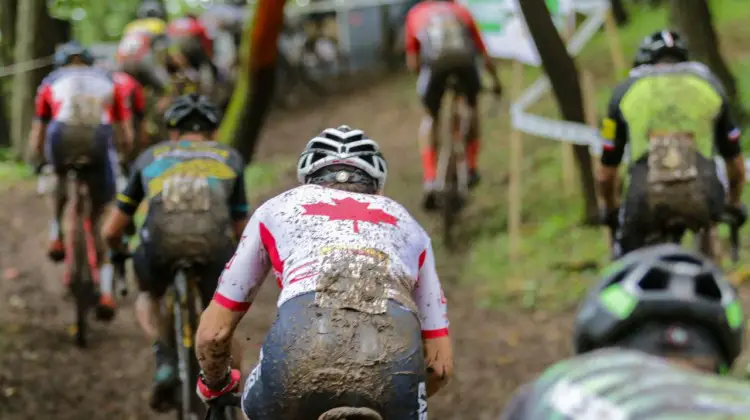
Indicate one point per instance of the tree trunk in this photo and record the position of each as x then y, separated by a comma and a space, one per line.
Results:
32, 43
253, 94
8, 10
619, 12
694, 22
8, 18
563, 75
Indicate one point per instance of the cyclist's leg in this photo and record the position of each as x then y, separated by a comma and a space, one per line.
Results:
635, 218
470, 87
55, 155
430, 87
101, 182
153, 281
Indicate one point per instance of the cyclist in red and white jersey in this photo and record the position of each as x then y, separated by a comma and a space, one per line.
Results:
79, 108
135, 101
443, 42
362, 317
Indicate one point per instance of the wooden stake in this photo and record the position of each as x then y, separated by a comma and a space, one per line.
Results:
615, 47
516, 157
566, 149
589, 97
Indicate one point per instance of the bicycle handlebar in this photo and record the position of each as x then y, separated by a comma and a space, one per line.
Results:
217, 407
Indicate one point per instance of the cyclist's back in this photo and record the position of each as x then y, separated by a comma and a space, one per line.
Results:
359, 291
192, 188
618, 384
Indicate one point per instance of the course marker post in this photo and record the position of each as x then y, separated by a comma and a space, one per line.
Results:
516, 165
566, 149
615, 47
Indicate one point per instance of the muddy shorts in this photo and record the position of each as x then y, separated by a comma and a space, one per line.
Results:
637, 219
433, 82
87, 149
155, 275
316, 359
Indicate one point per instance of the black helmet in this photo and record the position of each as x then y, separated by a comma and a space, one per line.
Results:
151, 9
342, 146
662, 284
71, 49
661, 44
192, 112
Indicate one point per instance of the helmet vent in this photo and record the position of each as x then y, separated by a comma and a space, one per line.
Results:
324, 146
362, 148
682, 258
655, 279
706, 287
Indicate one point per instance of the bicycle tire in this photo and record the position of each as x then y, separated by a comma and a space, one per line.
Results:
81, 284
450, 198
186, 322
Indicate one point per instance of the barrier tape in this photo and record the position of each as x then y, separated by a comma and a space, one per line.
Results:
17, 68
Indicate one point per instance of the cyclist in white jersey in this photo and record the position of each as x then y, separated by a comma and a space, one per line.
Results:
362, 318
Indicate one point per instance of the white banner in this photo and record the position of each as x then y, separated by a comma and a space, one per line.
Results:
504, 29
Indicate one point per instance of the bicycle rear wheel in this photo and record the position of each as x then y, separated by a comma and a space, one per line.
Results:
185, 324
81, 281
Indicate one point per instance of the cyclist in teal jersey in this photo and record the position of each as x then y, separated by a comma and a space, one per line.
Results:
653, 338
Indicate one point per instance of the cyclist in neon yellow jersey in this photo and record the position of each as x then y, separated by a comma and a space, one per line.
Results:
650, 339
674, 116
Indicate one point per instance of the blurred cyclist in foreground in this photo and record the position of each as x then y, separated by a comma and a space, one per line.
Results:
197, 209
362, 318
652, 338
674, 115
80, 110
443, 42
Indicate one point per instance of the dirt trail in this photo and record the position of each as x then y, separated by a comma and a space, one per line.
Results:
42, 375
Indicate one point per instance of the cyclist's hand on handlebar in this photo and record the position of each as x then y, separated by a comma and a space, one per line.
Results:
738, 213
210, 395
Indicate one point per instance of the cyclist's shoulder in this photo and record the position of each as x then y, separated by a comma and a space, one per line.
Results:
231, 155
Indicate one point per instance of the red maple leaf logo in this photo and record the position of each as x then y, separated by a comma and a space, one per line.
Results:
350, 209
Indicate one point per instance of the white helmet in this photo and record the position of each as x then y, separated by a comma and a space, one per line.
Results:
342, 146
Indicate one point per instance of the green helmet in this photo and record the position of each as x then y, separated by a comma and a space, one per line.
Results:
662, 285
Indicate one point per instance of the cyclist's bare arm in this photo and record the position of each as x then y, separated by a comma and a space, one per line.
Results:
727, 136
43, 114
238, 286
411, 46
127, 204
614, 135
431, 303
122, 120
476, 36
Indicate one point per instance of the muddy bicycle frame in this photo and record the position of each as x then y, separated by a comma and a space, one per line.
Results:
82, 265
180, 304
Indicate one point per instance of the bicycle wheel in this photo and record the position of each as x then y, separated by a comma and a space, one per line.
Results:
450, 199
81, 282
185, 325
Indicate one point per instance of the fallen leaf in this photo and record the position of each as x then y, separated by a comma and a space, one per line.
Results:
16, 302
9, 391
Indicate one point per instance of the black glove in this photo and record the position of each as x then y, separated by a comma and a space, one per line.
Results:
610, 218
738, 214
119, 256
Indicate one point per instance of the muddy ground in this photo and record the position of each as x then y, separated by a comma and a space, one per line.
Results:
43, 376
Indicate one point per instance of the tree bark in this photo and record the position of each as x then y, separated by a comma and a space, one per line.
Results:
8, 16
32, 43
694, 22
619, 12
8, 10
563, 75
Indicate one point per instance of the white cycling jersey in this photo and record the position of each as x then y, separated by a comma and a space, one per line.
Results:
293, 233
